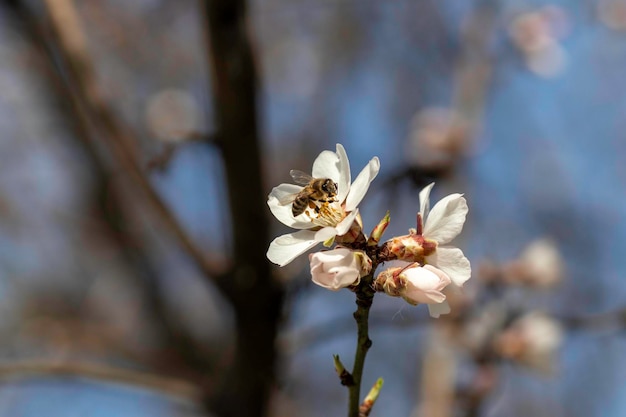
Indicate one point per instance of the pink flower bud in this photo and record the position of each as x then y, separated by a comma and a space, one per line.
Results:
414, 283
411, 248
339, 268
424, 285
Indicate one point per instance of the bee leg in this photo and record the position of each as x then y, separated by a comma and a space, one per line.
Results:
314, 207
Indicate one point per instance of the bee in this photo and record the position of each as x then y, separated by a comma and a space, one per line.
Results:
315, 189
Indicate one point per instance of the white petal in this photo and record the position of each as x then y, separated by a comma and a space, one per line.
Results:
286, 248
327, 165
425, 200
343, 185
453, 263
434, 296
325, 233
283, 211
437, 310
359, 187
284, 190
446, 219
345, 225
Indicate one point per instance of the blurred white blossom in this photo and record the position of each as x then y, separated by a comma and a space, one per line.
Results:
612, 13
537, 35
437, 137
532, 340
540, 265
172, 115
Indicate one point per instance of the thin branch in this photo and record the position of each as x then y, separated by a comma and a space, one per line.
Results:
307, 338
73, 51
184, 357
364, 297
100, 372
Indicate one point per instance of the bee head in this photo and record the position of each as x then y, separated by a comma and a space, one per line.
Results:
329, 187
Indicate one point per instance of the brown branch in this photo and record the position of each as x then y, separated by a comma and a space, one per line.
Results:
87, 93
100, 372
182, 356
256, 297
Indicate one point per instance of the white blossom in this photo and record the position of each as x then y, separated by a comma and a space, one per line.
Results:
336, 217
442, 224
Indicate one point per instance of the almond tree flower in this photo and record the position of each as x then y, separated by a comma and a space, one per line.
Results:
531, 340
436, 228
416, 284
339, 268
326, 220
540, 265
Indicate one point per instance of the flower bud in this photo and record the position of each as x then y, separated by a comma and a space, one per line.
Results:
339, 268
416, 284
366, 406
378, 231
424, 285
388, 281
411, 248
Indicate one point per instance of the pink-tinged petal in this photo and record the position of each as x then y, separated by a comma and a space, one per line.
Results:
282, 211
361, 184
446, 219
344, 225
343, 185
444, 279
416, 296
328, 256
425, 200
436, 310
286, 248
344, 278
334, 269
453, 263
327, 165
424, 285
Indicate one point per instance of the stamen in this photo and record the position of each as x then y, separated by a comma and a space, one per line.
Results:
325, 214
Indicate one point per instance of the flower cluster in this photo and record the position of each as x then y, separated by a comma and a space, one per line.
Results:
330, 215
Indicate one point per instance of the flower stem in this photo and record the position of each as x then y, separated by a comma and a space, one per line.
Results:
364, 297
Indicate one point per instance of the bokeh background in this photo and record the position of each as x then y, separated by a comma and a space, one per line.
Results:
521, 105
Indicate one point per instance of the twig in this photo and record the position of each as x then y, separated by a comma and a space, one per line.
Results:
309, 337
73, 51
100, 372
364, 297
181, 349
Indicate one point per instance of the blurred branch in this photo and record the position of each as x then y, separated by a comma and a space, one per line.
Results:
182, 355
256, 297
100, 372
161, 161
474, 73
73, 53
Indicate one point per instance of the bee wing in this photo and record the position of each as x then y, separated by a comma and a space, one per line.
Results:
288, 199
301, 178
